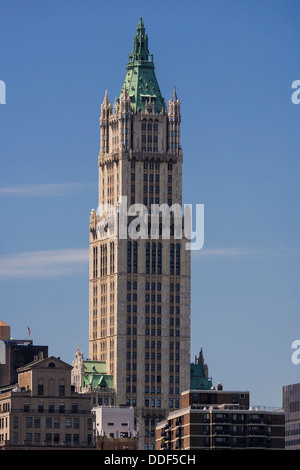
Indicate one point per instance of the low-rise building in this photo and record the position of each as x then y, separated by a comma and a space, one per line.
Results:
218, 419
291, 406
42, 410
91, 377
115, 428
15, 353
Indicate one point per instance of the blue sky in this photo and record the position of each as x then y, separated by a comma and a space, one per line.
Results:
233, 63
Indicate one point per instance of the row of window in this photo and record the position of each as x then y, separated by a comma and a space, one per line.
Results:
132, 257
151, 201
153, 286
3, 423
102, 255
151, 332
153, 298
153, 258
51, 408
35, 422
152, 344
150, 126
152, 309
4, 407
151, 189
156, 403
152, 166
148, 297
56, 439
149, 138
153, 378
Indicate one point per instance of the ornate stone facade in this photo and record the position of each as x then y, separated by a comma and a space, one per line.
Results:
139, 307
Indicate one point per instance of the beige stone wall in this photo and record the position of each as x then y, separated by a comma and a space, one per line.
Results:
31, 416
143, 144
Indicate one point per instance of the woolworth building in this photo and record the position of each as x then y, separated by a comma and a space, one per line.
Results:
139, 296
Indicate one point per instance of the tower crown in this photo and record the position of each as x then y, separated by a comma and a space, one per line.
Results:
140, 81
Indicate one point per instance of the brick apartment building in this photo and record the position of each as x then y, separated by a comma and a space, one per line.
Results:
218, 419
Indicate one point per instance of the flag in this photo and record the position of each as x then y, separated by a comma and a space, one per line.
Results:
29, 331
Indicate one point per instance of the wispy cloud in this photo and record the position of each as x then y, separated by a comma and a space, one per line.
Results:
48, 189
43, 264
66, 262
236, 253
225, 252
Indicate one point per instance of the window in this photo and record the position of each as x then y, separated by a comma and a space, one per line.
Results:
29, 422
147, 258
40, 407
172, 260
178, 259
68, 422
61, 408
37, 422
40, 389
56, 422
129, 257
76, 423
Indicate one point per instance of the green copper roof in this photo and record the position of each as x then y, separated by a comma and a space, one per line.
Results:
140, 80
95, 375
103, 381
199, 374
94, 367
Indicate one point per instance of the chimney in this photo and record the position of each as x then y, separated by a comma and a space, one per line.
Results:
220, 386
4, 331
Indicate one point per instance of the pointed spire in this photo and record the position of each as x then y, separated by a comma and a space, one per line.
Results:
140, 80
106, 100
174, 96
124, 93
140, 25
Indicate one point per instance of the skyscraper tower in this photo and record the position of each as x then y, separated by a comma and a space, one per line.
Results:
139, 320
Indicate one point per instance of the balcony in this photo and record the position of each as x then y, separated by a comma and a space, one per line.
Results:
257, 431
221, 418
221, 430
221, 442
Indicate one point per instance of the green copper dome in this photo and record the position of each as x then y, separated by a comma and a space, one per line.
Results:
140, 80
